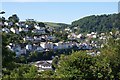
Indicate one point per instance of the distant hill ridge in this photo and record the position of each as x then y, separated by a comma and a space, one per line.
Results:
55, 25
98, 23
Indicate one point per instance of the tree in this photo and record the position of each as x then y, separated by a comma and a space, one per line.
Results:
2, 12
2, 19
55, 62
80, 65
46, 74
32, 73
14, 18
41, 24
22, 72
112, 54
33, 56
7, 55
95, 23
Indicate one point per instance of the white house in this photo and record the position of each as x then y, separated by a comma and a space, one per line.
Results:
25, 29
27, 38
21, 24
50, 37
10, 23
67, 29
26, 26
43, 45
17, 50
37, 27
49, 45
88, 35
85, 46
91, 53
5, 23
5, 30
20, 29
94, 36
55, 45
69, 44
23, 51
29, 47
79, 35
102, 34
46, 45
17, 24
39, 49
38, 38
50, 29
75, 27
43, 65
9, 47
61, 45
40, 31
93, 33
15, 30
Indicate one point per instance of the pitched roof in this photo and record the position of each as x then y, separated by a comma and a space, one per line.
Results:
43, 63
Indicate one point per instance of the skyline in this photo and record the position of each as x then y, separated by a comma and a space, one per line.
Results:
59, 12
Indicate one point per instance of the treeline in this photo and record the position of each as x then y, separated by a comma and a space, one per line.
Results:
99, 23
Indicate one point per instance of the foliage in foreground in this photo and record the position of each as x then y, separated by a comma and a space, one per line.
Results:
23, 71
80, 65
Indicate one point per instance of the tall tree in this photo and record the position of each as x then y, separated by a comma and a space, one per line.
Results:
80, 65
14, 18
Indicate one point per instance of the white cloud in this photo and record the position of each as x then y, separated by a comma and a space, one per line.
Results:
60, 0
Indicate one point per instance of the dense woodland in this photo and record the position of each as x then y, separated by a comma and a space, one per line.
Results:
76, 64
98, 23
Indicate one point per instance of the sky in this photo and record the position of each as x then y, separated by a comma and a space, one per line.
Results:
60, 12
59, 0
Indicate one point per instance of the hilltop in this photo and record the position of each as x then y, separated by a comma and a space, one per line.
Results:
97, 23
55, 25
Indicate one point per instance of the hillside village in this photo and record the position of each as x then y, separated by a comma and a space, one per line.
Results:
39, 37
